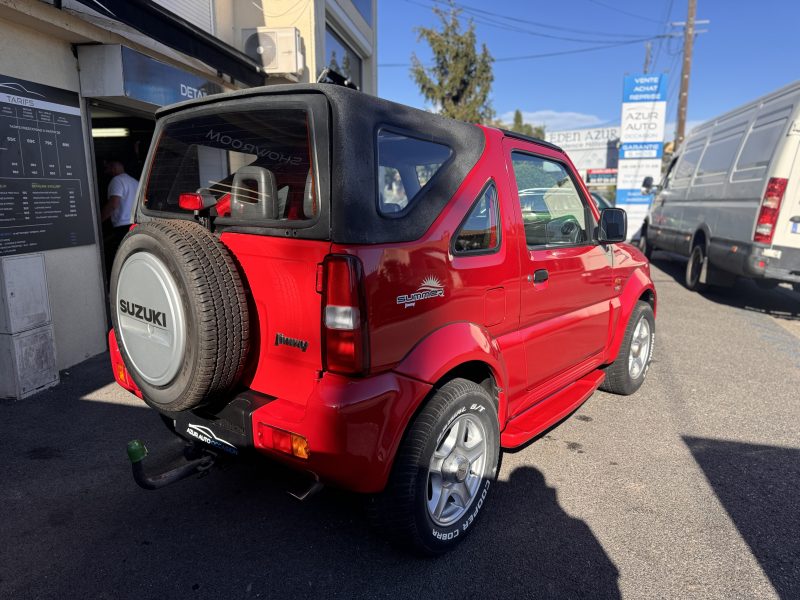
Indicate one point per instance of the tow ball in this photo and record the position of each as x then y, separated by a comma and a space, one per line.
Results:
198, 461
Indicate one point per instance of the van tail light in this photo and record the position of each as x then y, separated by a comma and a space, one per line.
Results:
770, 208
344, 317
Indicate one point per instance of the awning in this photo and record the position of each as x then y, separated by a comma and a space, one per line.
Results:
177, 33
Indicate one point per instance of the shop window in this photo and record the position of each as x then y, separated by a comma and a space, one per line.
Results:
341, 58
364, 8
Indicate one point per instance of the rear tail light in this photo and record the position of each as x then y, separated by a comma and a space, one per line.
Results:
770, 208
282, 441
190, 201
344, 326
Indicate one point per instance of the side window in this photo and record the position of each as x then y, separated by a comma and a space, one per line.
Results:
719, 154
687, 163
670, 174
480, 231
553, 212
760, 144
405, 167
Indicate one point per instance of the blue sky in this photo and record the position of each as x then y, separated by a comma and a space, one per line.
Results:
750, 49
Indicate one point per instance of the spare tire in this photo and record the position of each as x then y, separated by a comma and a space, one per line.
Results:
180, 314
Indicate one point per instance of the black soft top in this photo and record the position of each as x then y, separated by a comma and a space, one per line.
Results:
355, 118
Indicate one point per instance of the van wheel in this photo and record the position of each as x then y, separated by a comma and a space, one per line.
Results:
627, 374
443, 470
645, 246
694, 268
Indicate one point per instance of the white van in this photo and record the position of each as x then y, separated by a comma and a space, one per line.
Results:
730, 199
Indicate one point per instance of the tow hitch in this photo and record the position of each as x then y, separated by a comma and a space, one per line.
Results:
198, 460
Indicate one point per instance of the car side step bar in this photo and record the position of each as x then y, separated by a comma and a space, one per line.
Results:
152, 481
551, 410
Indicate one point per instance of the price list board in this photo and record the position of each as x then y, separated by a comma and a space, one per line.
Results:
44, 195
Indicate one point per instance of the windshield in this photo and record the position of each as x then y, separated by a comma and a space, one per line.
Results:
249, 166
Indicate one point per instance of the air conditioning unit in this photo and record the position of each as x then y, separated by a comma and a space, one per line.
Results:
278, 49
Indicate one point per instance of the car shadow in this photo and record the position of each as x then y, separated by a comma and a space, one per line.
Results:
74, 522
757, 485
780, 302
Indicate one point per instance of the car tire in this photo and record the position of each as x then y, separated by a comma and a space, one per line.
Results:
442, 472
187, 342
627, 373
645, 246
694, 269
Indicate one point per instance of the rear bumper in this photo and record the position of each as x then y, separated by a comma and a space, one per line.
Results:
759, 262
353, 427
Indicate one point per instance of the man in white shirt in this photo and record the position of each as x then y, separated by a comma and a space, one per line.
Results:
121, 196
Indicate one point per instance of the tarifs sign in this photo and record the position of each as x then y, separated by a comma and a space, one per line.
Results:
44, 197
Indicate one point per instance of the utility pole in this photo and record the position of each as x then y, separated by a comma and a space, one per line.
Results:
648, 50
683, 98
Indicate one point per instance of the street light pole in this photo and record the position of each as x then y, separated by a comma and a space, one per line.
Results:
683, 98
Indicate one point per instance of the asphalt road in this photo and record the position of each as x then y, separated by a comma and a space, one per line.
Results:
688, 489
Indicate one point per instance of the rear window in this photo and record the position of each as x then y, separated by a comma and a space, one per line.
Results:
405, 167
762, 140
252, 166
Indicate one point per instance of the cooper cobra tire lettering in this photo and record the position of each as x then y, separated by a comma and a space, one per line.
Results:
407, 517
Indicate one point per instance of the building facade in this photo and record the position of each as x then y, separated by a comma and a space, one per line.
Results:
80, 81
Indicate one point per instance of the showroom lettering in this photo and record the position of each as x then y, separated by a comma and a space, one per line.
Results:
232, 142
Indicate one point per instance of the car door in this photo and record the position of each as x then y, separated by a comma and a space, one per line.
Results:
566, 277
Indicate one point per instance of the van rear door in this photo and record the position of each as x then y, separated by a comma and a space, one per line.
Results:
787, 228
259, 169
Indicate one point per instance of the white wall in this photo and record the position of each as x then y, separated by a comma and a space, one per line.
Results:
74, 275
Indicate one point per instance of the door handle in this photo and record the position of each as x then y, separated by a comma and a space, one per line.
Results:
540, 275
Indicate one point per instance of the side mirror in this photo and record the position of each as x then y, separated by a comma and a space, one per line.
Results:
613, 226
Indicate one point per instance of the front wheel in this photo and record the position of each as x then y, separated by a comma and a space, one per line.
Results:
645, 246
443, 471
627, 373
694, 268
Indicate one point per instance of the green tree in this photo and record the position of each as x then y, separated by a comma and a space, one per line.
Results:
520, 126
460, 80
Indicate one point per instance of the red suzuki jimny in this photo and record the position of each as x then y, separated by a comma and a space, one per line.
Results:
378, 296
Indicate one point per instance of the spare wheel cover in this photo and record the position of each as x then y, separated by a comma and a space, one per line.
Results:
151, 318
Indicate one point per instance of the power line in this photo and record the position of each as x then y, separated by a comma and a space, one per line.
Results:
544, 55
514, 19
624, 12
666, 19
493, 22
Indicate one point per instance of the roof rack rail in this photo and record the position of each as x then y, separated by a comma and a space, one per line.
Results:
528, 138
328, 75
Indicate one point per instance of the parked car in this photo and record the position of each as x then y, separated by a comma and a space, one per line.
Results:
375, 295
601, 201
730, 200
